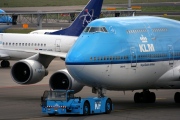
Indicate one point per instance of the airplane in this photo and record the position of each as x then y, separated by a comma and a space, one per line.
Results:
5, 21
21, 46
125, 54
42, 49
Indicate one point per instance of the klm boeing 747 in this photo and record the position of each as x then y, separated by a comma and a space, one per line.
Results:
127, 53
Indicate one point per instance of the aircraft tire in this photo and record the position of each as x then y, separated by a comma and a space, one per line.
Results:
152, 97
5, 63
137, 97
177, 97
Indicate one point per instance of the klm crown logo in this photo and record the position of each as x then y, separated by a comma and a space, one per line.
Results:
143, 39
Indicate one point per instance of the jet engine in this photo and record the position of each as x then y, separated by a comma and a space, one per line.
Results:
28, 72
63, 80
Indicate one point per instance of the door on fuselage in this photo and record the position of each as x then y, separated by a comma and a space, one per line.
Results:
57, 45
171, 55
133, 57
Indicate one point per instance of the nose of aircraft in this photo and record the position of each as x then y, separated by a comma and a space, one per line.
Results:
75, 62
75, 58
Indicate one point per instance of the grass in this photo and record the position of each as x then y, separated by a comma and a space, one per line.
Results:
39, 3
173, 17
160, 9
24, 31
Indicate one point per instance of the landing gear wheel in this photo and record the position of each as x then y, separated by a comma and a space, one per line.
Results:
137, 97
5, 63
177, 97
145, 97
152, 97
86, 108
108, 106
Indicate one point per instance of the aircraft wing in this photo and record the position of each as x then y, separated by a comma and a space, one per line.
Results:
48, 53
3, 56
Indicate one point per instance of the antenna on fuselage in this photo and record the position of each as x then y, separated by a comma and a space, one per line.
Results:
133, 14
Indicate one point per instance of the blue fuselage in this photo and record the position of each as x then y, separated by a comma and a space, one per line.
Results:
125, 51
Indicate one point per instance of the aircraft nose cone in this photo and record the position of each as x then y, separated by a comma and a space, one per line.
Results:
74, 63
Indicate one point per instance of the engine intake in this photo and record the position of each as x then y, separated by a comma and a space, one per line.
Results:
63, 80
28, 72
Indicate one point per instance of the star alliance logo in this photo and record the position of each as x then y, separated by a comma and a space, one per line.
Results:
87, 17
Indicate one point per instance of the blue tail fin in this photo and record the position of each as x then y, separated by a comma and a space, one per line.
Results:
90, 12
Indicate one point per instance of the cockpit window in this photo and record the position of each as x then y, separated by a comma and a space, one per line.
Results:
95, 29
86, 29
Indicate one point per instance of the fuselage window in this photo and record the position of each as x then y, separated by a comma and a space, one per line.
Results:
95, 29
90, 58
94, 58
29, 44
25, 44
16, 44
110, 58
22, 44
86, 29
104, 29
9, 44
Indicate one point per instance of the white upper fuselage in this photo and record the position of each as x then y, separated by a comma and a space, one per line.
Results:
20, 46
43, 31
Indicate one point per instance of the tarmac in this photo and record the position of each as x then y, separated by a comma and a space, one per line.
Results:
22, 102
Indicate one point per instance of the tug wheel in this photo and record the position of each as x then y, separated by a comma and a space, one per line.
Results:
108, 106
86, 108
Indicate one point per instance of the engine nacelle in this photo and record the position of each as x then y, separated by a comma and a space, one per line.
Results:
28, 72
63, 80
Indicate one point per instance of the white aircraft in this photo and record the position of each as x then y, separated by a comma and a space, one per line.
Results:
125, 53
42, 49
18, 46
